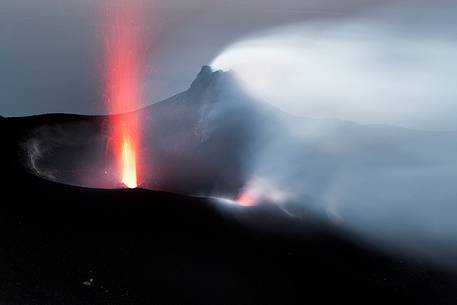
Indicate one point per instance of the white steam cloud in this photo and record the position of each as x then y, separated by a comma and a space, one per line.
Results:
391, 69
373, 69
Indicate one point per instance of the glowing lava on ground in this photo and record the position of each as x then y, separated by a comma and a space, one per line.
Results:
123, 60
246, 200
260, 190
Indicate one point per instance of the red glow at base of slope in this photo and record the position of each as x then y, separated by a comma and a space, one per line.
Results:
246, 199
123, 58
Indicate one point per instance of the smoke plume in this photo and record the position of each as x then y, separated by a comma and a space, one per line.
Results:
377, 147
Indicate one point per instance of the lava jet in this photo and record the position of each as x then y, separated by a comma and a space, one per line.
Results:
124, 58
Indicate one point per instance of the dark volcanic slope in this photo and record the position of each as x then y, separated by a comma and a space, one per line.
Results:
69, 245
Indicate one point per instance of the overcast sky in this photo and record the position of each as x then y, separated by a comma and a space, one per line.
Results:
51, 59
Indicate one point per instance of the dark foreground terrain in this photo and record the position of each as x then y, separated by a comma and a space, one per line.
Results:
69, 245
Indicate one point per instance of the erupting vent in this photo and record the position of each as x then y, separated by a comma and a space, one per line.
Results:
123, 61
129, 178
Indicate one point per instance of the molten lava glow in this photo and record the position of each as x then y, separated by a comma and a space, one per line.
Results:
246, 200
123, 60
129, 164
261, 190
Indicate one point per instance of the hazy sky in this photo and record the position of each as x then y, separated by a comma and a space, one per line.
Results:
51, 59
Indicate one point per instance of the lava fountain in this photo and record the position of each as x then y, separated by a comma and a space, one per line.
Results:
129, 175
123, 58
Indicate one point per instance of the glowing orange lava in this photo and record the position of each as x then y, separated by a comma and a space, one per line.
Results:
123, 60
129, 177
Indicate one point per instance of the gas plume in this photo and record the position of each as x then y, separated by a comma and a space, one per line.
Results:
370, 130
